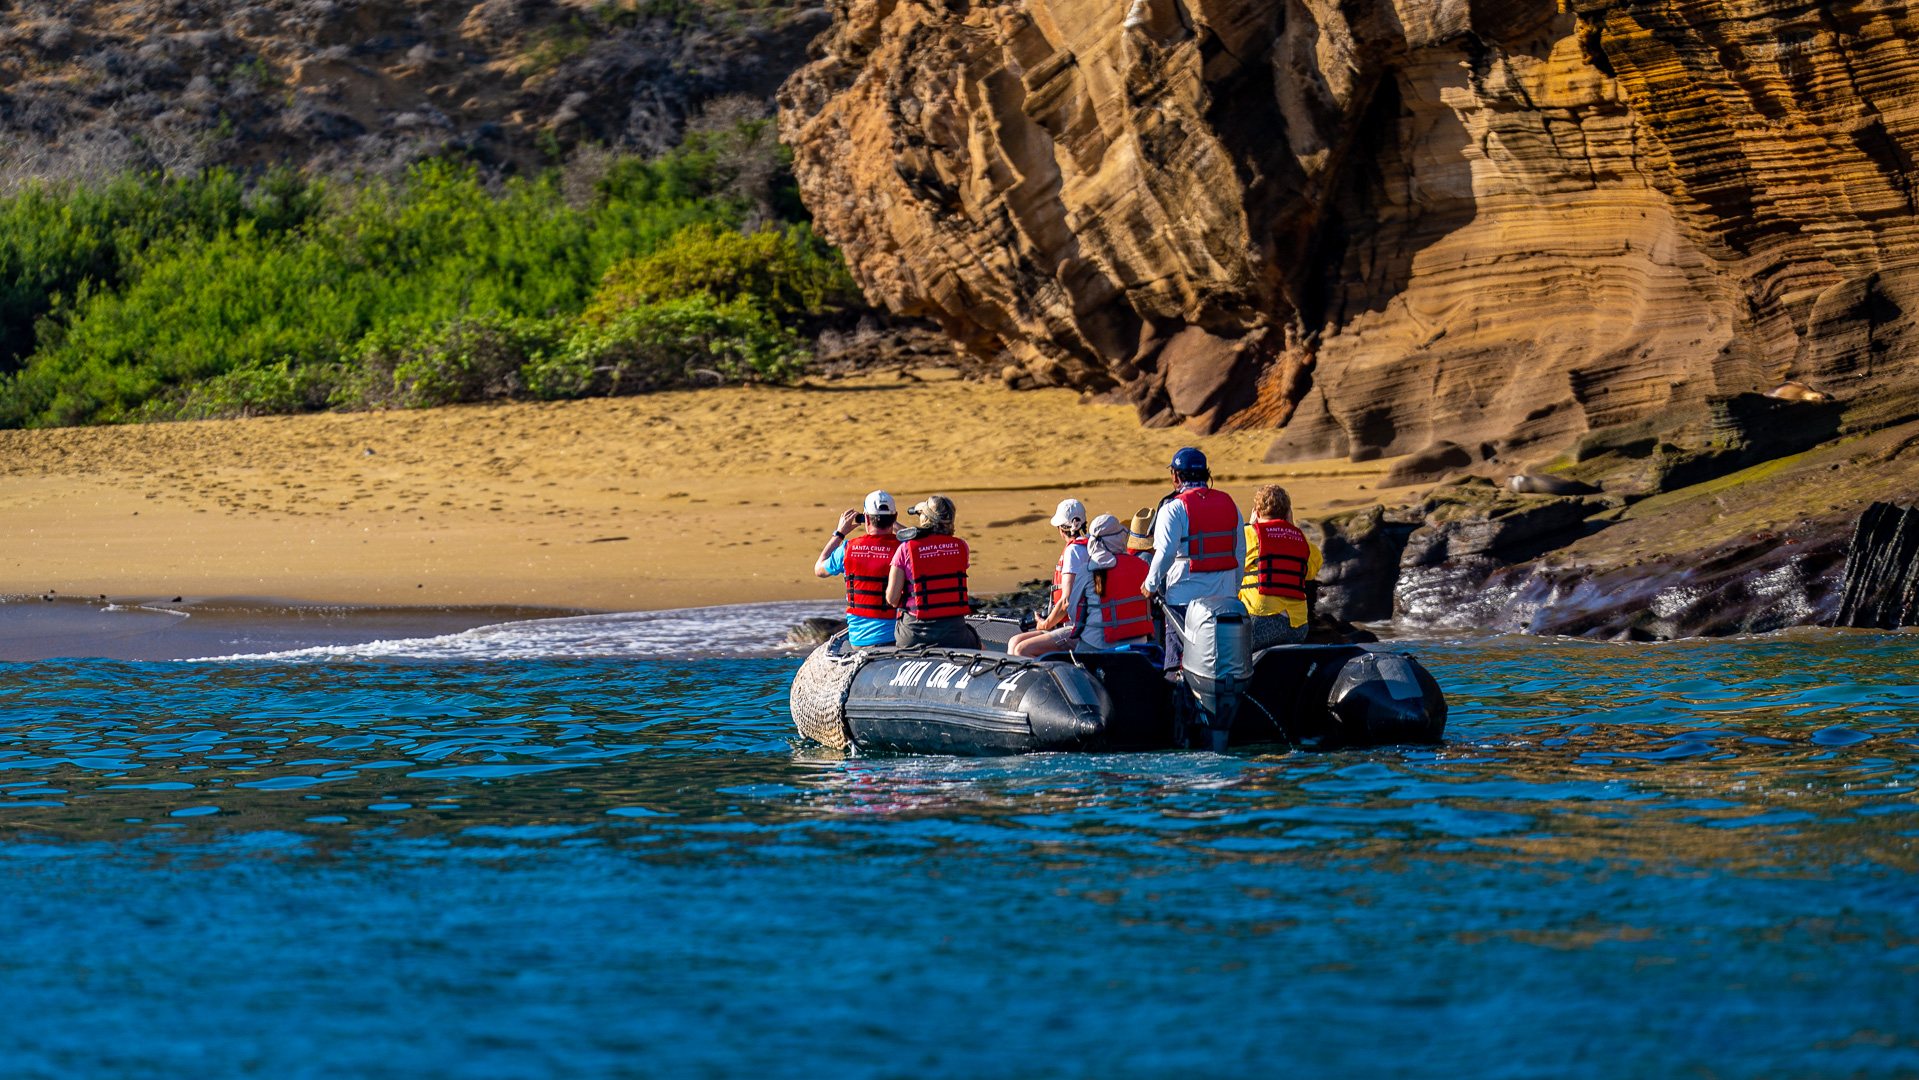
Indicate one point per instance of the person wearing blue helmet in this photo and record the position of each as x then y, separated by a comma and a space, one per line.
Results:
1199, 543
1199, 539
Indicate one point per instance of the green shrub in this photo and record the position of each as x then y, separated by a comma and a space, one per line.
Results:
472, 358
254, 390
58, 240
420, 253
741, 163
200, 310
147, 298
788, 272
675, 343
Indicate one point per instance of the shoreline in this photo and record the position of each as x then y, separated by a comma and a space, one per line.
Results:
34, 628
669, 500
725, 496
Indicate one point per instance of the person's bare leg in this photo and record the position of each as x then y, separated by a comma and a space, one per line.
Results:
1019, 642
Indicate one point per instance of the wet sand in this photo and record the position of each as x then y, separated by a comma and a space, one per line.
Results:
669, 500
42, 628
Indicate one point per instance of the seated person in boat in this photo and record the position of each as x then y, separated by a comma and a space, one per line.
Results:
928, 581
1280, 568
866, 561
1139, 534
1055, 632
1199, 544
1113, 613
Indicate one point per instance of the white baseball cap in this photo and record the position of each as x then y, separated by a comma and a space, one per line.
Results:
879, 502
1070, 512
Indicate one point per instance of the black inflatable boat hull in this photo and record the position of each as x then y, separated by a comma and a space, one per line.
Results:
960, 701
969, 702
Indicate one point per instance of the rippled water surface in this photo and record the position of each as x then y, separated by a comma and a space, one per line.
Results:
1690, 859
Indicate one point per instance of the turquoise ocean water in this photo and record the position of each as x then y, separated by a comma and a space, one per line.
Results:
583, 849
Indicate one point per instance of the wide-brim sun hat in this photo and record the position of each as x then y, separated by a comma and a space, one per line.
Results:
1139, 535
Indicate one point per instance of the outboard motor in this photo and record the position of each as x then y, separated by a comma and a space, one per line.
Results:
1217, 642
1383, 698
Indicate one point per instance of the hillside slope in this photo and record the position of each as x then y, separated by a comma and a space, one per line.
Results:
94, 87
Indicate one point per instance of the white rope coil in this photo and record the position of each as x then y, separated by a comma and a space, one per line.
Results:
818, 698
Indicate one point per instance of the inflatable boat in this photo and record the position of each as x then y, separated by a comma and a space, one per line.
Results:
937, 700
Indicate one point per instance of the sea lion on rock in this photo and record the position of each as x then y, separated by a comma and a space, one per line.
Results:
1796, 391
1535, 484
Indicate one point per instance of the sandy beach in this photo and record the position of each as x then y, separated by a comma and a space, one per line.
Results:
668, 500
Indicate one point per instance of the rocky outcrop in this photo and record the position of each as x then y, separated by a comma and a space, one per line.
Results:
1768, 582
1470, 559
1379, 224
1882, 570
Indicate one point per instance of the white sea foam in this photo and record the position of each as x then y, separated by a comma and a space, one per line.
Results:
734, 630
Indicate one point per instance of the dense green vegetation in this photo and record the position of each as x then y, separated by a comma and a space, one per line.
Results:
154, 298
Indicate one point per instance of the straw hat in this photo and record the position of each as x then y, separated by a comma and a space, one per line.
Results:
1140, 534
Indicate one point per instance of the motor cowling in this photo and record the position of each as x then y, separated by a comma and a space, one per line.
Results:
1384, 698
1217, 657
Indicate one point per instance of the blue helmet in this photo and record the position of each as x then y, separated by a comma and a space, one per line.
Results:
1189, 459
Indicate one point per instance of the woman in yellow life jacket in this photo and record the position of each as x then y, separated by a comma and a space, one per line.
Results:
1280, 566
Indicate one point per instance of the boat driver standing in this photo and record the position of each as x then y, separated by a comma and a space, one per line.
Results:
1199, 545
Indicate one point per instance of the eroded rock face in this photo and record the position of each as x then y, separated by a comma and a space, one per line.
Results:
1380, 224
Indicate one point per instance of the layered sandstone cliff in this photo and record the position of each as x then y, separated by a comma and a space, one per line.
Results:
1380, 223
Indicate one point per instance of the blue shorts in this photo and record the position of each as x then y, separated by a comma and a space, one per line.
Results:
862, 632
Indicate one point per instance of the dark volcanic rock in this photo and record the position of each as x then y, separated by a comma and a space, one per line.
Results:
1361, 552
1768, 582
810, 632
1458, 531
1881, 579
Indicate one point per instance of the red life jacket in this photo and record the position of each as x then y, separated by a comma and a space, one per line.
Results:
1123, 613
937, 566
868, 561
1280, 569
1212, 530
1059, 569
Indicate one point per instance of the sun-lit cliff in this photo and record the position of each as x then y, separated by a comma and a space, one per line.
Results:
1375, 225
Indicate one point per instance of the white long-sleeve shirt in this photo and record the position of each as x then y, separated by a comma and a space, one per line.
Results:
1173, 578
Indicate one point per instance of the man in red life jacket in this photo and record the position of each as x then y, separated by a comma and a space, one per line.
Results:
1113, 613
928, 581
1199, 540
1199, 546
1281, 565
1055, 632
866, 561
